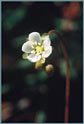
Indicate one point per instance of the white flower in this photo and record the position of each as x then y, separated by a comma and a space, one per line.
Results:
37, 47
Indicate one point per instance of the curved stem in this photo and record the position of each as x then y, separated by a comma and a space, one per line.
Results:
67, 92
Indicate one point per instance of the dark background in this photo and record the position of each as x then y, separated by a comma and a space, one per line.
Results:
44, 96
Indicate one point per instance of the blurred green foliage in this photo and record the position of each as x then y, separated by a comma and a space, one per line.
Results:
73, 72
33, 78
18, 41
24, 64
5, 88
12, 17
40, 117
42, 75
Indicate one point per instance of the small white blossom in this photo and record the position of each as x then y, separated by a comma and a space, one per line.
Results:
37, 47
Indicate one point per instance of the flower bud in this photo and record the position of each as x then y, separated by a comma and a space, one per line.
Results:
24, 56
38, 65
49, 69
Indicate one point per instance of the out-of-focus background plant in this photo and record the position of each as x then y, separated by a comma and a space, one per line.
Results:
29, 95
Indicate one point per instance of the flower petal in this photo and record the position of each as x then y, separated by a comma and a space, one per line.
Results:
35, 36
27, 47
47, 52
34, 57
46, 42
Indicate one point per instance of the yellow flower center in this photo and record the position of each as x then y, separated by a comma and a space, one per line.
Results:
39, 49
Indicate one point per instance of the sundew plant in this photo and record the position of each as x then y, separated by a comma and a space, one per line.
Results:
37, 49
42, 62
